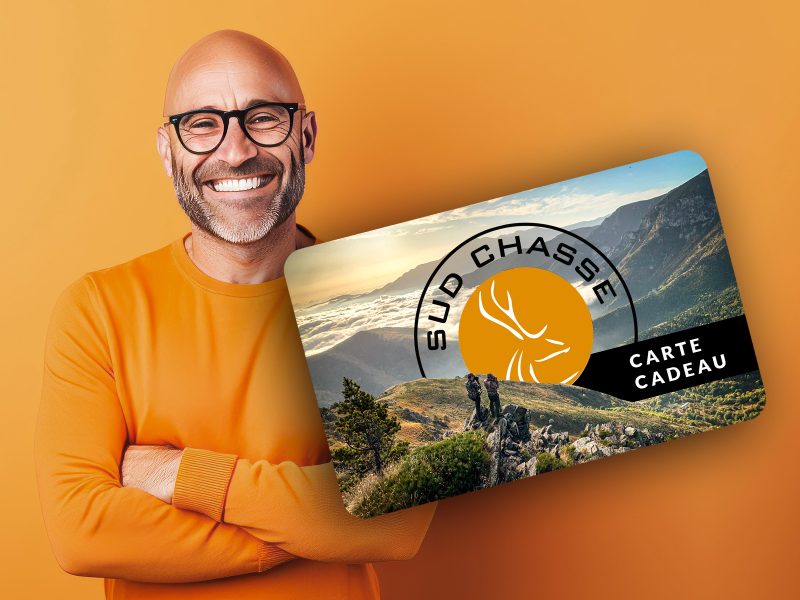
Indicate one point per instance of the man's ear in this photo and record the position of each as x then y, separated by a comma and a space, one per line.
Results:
309, 136
164, 149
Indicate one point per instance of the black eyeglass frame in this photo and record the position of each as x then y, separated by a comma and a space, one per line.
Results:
225, 115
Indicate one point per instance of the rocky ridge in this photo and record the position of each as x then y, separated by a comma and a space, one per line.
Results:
517, 451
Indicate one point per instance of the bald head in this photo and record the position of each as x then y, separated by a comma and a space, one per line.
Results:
228, 70
244, 189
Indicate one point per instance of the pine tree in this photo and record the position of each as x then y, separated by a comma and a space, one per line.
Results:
367, 430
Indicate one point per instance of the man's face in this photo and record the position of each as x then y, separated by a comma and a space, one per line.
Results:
209, 187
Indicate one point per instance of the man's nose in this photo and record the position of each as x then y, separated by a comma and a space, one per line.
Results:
236, 147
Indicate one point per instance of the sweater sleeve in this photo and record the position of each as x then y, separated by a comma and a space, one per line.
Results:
297, 508
97, 527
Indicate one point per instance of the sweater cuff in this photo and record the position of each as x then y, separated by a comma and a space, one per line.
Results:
270, 556
202, 481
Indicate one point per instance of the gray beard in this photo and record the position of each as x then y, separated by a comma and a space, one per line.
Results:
202, 214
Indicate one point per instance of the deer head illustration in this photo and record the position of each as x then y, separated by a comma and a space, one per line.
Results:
550, 348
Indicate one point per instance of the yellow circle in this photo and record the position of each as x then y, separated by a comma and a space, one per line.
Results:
526, 324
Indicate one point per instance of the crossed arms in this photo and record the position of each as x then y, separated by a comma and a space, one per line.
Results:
229, 516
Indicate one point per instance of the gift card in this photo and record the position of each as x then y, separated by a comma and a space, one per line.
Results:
525, 334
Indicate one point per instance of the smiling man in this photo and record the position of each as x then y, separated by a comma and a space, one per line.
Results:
179, 449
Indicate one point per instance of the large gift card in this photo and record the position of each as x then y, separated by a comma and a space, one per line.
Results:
525, 334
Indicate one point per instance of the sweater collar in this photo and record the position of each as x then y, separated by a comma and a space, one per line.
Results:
242, 290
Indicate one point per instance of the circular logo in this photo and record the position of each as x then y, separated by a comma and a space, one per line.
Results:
524, 301
526, 324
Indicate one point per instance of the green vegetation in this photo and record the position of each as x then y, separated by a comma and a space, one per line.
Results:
546, 462
711, 306
453, 466
367, 432
715, 404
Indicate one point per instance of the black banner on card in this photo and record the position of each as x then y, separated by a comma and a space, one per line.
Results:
672, 362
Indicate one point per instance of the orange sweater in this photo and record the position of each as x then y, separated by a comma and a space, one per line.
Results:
154, 351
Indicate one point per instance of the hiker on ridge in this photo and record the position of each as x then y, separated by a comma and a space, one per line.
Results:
473, 386
491, 384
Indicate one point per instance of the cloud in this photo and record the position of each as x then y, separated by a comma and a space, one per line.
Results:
563, 208
558, 208
326, 328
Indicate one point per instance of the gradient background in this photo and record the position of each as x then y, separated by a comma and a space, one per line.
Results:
573, 88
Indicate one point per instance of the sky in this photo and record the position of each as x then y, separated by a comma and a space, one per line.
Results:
366, 261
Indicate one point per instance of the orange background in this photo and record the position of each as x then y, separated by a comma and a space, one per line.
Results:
572, 88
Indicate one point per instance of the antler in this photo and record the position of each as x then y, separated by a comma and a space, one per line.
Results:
520, 333
509, 312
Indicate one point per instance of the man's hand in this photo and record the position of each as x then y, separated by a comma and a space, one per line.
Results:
153, 469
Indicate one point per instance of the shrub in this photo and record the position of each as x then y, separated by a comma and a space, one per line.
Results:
453, 466
567, 455
546, 462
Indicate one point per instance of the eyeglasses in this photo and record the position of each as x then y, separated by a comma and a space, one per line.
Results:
265, 124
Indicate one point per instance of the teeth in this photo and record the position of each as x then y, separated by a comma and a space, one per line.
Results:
238, 185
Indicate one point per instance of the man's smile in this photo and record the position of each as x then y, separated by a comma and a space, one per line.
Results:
239, 184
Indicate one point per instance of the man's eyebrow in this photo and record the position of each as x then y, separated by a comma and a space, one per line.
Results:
246, 106
257, 101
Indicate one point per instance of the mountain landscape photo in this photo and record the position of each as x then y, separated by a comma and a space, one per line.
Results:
667, 243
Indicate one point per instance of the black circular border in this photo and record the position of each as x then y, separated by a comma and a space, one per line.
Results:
485, 231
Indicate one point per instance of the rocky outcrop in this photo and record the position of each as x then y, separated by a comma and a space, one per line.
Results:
517, 452
606, 439
475, 421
